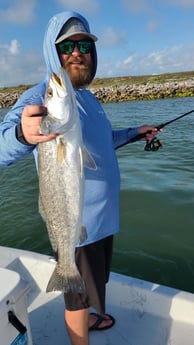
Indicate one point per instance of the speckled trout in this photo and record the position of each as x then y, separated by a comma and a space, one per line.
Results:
61, 181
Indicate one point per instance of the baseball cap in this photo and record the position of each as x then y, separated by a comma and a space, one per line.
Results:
72, 27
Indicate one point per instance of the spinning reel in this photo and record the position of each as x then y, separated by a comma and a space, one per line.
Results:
154, 144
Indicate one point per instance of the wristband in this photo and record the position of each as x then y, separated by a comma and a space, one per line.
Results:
19, 135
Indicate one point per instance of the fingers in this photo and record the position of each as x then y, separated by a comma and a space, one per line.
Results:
147, 132
34, 111
31, 121
151, 133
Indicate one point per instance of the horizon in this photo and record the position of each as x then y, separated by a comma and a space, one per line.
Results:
112, 77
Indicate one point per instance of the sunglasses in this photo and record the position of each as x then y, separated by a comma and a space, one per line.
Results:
67, 47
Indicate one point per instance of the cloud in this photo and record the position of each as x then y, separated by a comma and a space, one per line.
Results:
18, 12
129, 60
14, 47
142, 6
152, 25
86, 6
111, 38
174, 59
182, 3
136, 6
166, 60
18, 66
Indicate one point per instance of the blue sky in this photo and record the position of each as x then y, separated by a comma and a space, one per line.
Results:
136, 37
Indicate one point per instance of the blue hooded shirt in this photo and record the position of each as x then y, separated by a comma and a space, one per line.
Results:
102, 186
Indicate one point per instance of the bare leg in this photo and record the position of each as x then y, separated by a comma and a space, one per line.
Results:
77, 326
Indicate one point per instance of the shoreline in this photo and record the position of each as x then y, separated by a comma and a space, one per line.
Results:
149, 91
119, 92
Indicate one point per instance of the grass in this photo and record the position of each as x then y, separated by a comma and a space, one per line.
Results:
140, 80
11, 89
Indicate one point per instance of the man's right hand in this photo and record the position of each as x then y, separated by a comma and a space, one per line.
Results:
30, 123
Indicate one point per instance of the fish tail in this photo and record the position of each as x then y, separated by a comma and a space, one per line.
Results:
66, 280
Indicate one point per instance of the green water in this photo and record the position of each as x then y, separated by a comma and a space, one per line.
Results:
156, 241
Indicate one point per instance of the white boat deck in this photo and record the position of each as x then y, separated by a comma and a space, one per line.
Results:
145, 313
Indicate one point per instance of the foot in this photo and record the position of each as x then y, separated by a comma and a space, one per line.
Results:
100, 322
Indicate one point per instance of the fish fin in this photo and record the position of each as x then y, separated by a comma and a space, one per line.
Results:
88, 160
66, 280
83, 235
61, 151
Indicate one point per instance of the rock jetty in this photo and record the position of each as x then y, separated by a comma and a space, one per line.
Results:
120, 93
147, 91
8, 99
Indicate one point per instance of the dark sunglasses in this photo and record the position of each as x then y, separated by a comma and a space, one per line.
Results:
67, 47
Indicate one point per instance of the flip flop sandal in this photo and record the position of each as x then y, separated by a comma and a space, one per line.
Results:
100, 319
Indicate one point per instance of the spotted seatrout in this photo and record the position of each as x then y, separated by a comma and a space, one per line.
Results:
61, 181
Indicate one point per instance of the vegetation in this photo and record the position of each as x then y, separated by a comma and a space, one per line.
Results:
140, 80
13, 89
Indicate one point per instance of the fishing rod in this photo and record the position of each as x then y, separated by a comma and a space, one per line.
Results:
154, 144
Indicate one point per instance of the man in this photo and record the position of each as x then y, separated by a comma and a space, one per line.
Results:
68, 42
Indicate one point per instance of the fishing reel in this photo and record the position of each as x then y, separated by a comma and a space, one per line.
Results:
153, 144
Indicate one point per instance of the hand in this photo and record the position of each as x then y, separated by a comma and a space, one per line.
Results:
31, 121
149, 131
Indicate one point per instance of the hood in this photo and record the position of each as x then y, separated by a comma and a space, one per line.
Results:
49, 48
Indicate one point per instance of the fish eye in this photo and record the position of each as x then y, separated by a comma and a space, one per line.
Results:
49, 92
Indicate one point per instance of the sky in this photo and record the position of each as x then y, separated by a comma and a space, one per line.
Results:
135, 37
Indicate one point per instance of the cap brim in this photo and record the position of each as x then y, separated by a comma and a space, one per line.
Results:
65, 36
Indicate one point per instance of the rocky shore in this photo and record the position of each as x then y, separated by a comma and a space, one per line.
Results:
144, 92
119, 93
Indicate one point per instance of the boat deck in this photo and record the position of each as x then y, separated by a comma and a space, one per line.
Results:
145, 313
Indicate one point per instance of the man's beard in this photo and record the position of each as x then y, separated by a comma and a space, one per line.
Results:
80, 75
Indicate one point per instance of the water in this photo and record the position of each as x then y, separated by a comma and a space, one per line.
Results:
156, 241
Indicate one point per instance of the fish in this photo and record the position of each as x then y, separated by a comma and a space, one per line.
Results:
61, 163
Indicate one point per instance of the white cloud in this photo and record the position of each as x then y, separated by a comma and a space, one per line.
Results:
18, 12
166, 59
129, 60
85, 6
174, 59
136, 6
14, 47
110, 38
19, 67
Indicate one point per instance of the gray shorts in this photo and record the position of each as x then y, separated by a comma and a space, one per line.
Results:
94, 263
